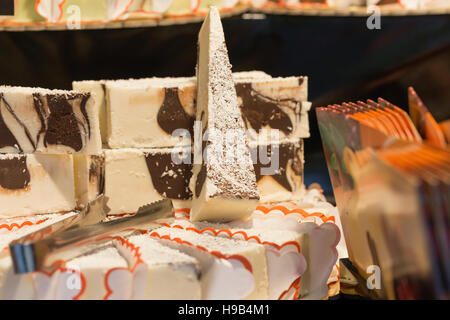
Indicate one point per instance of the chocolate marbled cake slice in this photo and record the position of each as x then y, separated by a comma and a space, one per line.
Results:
36, 183
48, 121
274, 108
135, 177
164, 104
279, 169
223, 182
98, 89
146, 114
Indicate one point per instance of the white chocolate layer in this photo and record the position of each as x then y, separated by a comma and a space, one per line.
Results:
128, 108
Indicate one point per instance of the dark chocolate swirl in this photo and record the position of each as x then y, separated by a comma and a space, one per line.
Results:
287, 152
260, 110
9, 137
171, 114
14, 174
62, 124
200, 181
171, 180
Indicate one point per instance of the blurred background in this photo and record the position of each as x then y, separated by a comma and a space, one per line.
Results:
344, 60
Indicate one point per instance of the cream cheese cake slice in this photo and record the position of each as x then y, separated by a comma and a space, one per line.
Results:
135, 177
133, 98
48, 121
161, 273
285, 262
223, 182
36, 184
231, 269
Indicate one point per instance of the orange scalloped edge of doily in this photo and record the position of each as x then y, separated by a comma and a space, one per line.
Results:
60, 6
242, 259
268, 210
303, 213
13, 225
134, 249
232, 234
295, 285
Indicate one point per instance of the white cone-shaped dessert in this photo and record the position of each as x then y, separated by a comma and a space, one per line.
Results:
224, 184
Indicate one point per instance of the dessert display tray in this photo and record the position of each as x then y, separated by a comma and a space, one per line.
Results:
243, 12
301, 237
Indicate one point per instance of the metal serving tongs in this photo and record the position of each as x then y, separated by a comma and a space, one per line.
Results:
69, 238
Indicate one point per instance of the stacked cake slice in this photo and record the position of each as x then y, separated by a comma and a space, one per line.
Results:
157, 115
40, 129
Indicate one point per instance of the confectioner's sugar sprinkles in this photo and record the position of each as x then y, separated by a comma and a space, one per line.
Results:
210, 243
102, 256
154, 253
43, 91
278, 237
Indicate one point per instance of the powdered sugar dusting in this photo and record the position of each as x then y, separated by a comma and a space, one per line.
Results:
154, 253
211, 243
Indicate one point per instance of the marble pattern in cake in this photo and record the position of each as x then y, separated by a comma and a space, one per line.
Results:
279, 169
135, 177
48, 121
274, 105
